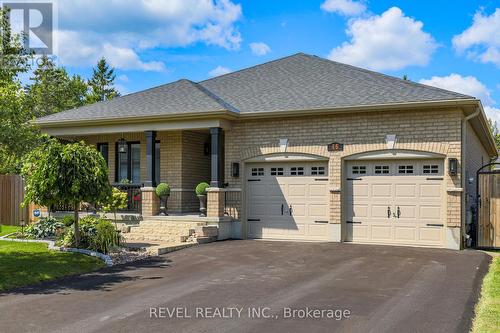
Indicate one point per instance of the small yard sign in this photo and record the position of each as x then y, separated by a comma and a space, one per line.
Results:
36, 212
335, 146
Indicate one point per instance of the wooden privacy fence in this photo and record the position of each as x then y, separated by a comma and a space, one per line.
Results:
488, 219
11, 197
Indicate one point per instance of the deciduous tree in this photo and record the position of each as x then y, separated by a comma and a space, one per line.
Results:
57, 173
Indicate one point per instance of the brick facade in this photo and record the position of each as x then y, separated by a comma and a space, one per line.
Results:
436, 131
184, 163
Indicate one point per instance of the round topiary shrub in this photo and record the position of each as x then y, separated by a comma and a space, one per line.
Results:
163, 190
201, 188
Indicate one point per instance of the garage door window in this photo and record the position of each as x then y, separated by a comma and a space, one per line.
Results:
405, 169
276, 171
359, 169
257, 171
297, 171
432, 168
381, 169
317, 171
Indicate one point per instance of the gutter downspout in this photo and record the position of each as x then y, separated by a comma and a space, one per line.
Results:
462, 175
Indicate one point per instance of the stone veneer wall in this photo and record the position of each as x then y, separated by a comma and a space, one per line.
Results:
436, 131
182, 163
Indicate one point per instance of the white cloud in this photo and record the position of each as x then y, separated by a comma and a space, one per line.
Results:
389, 41
123, 78
219, 70
344, 7
493, 114
124, 29
468, 85
481, 40
260, 48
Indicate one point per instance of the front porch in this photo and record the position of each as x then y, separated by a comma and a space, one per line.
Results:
139, 161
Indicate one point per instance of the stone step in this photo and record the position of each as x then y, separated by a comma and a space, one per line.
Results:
152, 238
206, 231
204, 240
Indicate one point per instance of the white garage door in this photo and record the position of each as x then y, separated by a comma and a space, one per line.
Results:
287, 200
395, 202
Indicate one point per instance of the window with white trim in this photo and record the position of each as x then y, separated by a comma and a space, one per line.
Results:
276, 171
359, 169
257, 171
430, 168
315, 170
381, 169
297, 171
405, 169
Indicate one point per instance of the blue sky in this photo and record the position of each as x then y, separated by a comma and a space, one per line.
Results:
451, 44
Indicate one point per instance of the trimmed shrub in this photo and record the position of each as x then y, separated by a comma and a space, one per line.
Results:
45, 228
201, 188
162, 190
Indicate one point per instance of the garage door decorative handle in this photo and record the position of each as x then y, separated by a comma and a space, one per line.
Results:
290, 210
282, 209
388, 212
399, 212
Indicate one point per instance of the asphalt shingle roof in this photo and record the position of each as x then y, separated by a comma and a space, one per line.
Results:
179, 97
297, 82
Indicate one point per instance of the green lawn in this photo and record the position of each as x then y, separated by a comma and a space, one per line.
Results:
24, 264
488, 309
7, 229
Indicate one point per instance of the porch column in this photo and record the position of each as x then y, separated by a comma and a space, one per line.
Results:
150, 159
217, 157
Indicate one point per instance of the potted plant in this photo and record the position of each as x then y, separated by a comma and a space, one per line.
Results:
201, 193
163, 191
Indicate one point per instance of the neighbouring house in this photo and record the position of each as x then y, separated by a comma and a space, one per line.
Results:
298, 148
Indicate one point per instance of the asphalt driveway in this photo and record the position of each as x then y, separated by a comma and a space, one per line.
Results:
225, 286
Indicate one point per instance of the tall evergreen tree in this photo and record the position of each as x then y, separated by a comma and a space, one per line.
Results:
14, 57
53, 90
101, 83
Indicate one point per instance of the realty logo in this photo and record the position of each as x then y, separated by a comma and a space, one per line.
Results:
35, 21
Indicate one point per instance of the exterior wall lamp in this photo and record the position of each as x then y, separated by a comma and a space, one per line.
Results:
235, 169
453, 166
122, 146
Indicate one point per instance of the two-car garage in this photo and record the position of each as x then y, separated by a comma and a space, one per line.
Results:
398, 201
